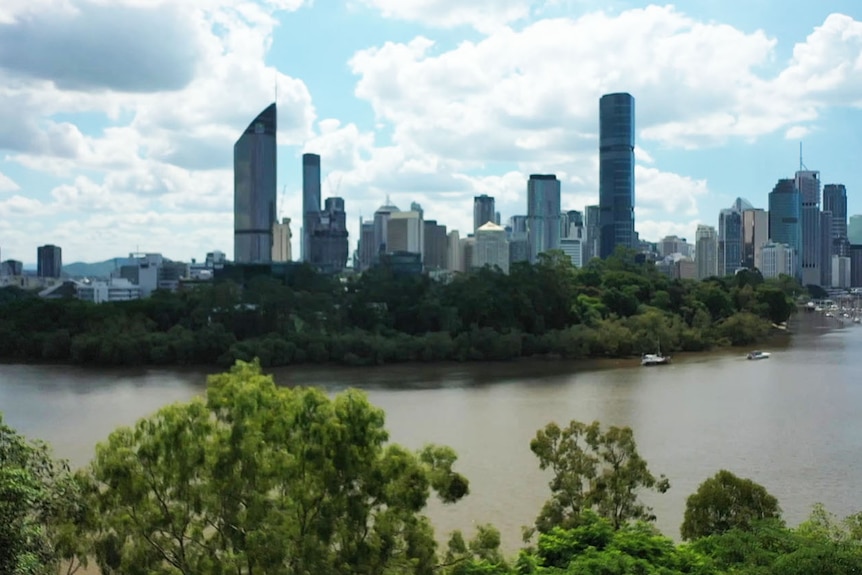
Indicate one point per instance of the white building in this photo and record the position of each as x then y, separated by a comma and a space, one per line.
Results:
405, 233
453, 258
841, 268
115, 289
492, 247
281, 236
574, 248
706, 251
777, 259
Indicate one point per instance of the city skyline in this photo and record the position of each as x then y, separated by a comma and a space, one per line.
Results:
136, 154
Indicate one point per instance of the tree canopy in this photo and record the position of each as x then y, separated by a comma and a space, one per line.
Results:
724, 502
616, 307
256, 478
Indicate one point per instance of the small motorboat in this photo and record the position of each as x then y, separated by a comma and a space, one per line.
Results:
649, 359
757, 354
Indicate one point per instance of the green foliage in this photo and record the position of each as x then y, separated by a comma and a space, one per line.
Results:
592, 469
724, 502
42, 510
261, 479
610, 308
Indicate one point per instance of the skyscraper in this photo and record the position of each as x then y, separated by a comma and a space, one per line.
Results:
808, 184
310, 201
616, 172
706, 251
254, 195
755, 233
483, 211
328, 240
593, 233
281, 236
49, 261
730, 237
835, 201
435, 245
785, 222
492, 247
543, 214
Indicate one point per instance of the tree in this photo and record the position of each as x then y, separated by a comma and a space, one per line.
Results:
724, 502
592, 469
261, 479
41, 506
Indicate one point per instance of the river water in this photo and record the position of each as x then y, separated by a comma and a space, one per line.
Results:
791, 423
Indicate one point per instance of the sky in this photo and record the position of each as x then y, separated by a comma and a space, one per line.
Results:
118, 117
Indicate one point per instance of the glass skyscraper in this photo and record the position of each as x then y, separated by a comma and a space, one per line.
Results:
254, 195
483, 211
808, 184
835, 201
310, 202
785, 221
543, 214
731, 238
616, 172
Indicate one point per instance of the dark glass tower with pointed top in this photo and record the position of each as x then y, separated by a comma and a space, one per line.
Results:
254, 191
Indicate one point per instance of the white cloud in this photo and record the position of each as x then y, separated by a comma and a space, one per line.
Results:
7, 184
796, 132
484, 15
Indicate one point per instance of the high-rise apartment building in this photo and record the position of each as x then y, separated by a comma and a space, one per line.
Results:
543, 214
755, 233
405, 233
281, 236
492, 247
310, 202
706, 251
785, 220
808, 184
854, 230
616, 172
572, 224
381, 228
778, 259
453, 247
483, 211
670, 245
49, 262
254, 195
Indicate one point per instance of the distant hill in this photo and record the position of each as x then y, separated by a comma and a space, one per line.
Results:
94, 270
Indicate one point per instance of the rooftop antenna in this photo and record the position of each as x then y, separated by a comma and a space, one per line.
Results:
281, 203
802, 167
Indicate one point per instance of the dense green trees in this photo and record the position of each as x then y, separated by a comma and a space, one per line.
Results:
611, 308
724, 502
258, 479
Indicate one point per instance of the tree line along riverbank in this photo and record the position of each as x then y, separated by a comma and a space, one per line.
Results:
617, 307
257, 478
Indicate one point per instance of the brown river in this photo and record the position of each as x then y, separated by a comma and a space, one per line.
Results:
792, 422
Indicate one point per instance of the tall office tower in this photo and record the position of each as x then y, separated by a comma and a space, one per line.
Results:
365, 248
497, 218
826, 247
855, 255
755, 233
785, 219
519, 224
592, 233
436, 245
808, 184
572, 224
483, 211
730, 237
281, 236
49, 262
835, 201
491, 247
254, 173
329, 238
706, 251
405, 233
616, 172
670, 245
453, 247
543, 214
381, 228
854, 230
310, 201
